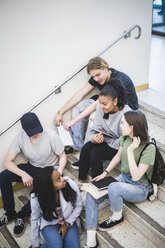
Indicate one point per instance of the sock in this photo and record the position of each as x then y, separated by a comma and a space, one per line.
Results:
91, 238
116, 215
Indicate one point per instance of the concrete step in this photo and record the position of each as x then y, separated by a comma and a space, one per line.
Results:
125, 233
146, 217
150, 103
7, 238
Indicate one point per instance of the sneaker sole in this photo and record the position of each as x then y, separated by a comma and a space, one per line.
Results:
75, 167
109, 228
19, 235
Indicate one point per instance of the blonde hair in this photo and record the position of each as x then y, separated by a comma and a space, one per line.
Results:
96, 63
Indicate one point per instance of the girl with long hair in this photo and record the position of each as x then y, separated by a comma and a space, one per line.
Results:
107, 118
56, 204
132, 185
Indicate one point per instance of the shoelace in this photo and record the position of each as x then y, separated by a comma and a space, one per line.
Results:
19, 222
3, 219
108, 221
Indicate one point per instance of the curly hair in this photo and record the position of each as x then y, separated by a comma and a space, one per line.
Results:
115, 89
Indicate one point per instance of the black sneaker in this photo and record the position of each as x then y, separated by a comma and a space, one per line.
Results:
75, 165
6, 219
69, 150
109, 223
19, 227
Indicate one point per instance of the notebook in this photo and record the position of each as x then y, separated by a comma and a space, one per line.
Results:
103, 184
88, 187
99, 131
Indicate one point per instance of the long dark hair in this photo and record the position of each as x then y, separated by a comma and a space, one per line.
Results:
46, 193
115, 89
138, 120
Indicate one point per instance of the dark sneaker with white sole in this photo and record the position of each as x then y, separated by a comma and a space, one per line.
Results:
109, 223
5, 219
19, 227
75, 165
69, 150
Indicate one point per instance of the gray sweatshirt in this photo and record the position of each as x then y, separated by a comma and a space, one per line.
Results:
110, 125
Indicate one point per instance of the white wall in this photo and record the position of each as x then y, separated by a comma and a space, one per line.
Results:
44, 41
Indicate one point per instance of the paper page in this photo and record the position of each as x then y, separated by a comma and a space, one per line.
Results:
65, 136
88, 187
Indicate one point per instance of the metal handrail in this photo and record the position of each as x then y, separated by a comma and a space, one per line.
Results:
126, 34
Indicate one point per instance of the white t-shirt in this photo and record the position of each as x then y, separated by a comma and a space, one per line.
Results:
43, 154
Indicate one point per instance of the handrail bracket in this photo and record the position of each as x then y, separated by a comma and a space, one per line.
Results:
58, 90
127, 35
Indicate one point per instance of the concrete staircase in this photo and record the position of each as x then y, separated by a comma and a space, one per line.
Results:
144, 223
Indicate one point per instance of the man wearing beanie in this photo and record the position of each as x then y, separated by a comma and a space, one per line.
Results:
42, 148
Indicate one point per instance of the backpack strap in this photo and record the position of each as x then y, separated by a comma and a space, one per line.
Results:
153, 142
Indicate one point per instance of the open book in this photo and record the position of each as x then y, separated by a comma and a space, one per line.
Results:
98, 189
88, 187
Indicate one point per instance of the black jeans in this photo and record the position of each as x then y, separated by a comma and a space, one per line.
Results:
92, 156
6, 179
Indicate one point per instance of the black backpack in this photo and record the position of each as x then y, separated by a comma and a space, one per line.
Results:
158, 174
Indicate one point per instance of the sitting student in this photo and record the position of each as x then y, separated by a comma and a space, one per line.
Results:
56, 205
108, 116
101, 75
42, 148
133, 185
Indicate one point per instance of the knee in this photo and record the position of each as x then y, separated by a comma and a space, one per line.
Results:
94, 153
80, 106
113, 188
86, 148
89, 198
4, 177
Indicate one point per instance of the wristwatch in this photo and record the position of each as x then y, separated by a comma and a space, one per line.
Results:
67, 224
59, 112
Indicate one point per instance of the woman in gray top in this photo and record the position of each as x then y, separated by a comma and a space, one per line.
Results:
107, 118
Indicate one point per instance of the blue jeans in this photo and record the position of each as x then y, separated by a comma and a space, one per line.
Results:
124, 189
77, 131
53, 238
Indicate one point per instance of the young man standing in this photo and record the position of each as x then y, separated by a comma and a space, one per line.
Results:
42, 148
101, 75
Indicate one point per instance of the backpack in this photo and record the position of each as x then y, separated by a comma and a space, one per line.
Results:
158, 174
